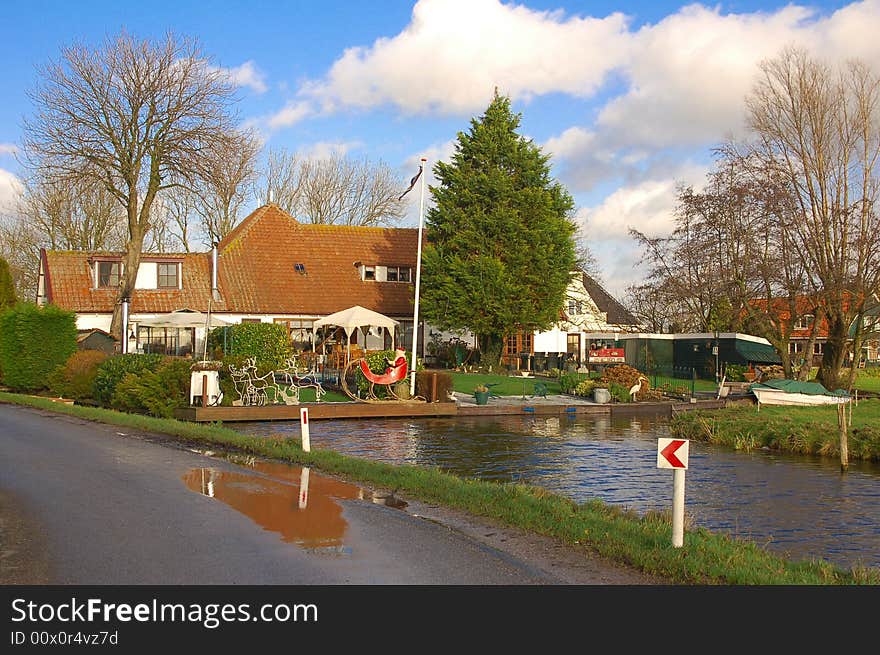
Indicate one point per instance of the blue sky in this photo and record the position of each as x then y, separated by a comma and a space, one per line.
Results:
627, 97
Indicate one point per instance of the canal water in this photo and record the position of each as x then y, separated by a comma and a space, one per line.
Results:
800, 507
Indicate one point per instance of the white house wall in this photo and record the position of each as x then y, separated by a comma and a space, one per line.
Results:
148, 276
554, 341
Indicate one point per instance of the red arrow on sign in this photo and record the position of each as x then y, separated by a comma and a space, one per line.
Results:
669, 453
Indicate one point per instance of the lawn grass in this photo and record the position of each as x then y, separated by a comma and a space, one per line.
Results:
643, 543
504, 385
801, 430
511, 385
865, 383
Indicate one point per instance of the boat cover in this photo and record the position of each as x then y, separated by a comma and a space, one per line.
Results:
795, 386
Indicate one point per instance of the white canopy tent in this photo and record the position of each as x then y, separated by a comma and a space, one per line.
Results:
355, 318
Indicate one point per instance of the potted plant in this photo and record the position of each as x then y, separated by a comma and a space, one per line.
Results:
481, 394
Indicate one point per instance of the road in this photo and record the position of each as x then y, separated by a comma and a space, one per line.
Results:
88, 503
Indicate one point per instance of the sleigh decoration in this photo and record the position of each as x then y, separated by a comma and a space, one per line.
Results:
393, 374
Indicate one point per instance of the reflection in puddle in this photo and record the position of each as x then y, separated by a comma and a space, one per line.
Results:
303, 509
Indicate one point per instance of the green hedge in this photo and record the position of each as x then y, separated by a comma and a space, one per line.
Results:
269, 343
34, 341
111, 372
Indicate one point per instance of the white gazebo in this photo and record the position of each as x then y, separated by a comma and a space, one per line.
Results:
356, 318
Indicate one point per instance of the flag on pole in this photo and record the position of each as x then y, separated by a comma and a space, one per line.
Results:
412, 183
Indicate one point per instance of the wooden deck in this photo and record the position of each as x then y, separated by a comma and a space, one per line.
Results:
317, 411
325, 410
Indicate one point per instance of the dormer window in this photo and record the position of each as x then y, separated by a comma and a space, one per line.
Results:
804, 322
168, 276
109, 274
300, 268
398, 274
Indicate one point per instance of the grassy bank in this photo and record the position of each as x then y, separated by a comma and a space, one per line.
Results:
643, 543
801, 430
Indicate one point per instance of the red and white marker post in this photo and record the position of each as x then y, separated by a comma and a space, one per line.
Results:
304, 488
304, 428
673, 454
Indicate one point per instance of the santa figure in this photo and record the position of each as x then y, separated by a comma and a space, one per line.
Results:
400, 360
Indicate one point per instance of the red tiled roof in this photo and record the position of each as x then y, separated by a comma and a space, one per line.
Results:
70, 284
256, 271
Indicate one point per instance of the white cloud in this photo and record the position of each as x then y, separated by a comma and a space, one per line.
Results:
293, 112
327, 149
455, 52
8, 149
647, 207
247, 75
10, 191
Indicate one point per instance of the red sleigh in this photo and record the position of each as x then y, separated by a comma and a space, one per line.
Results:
392, 376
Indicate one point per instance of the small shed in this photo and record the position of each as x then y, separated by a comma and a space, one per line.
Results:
96, 339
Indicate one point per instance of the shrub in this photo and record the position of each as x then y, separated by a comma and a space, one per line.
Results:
34, 341
76, 378
586, 387
619, 392
622, 374
268, 343
568, 382
736, 372
113, 369
157, 393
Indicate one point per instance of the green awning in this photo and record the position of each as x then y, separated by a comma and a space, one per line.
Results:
757, 353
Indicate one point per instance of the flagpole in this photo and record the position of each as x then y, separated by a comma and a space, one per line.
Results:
412, 379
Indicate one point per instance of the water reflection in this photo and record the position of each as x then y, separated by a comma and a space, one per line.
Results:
302, 509
799, 506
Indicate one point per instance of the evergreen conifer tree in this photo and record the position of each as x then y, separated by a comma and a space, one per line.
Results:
500, 241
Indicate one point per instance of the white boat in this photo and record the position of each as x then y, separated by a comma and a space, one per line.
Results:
792, 392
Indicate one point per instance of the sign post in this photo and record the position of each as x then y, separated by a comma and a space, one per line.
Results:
673, 454
304, 428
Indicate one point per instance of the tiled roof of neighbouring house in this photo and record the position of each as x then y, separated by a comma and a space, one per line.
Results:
617, 313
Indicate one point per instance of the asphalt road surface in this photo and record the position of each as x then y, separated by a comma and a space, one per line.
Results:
88, 503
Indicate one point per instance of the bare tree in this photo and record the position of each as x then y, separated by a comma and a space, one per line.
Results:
821, 129
281, 181
19, 246
78, 215
135, 116
335, 190
223, 188
178, 206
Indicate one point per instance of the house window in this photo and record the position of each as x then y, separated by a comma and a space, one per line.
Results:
168, 276
369, 272
573, 346
521, 342
817, 348
805, 322
795, 347
575, 307
398, 274
109, 273
300, 268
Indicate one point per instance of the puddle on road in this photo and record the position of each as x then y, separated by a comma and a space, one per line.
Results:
301, 507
